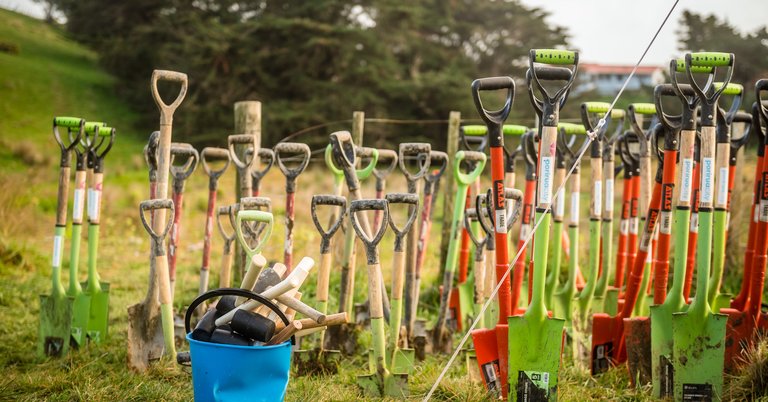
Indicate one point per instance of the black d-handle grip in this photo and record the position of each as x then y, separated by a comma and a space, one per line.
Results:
232, 292
181, 150
158, 238
421, 151
550, 73
670, 122
246, 140
370, 243
327, 235
402, 198
494, 118
295, 150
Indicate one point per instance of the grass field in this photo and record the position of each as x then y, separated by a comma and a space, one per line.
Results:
52, 75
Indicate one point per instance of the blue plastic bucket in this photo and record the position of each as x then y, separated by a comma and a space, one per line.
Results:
239, 373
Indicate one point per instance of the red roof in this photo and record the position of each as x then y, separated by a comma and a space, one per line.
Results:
595, 68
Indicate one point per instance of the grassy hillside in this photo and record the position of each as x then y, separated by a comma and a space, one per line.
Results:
52, 75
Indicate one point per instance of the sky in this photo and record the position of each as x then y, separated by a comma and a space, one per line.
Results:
607, 31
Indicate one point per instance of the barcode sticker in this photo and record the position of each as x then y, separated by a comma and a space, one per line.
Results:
764, 210
722, 186
686, 180
694, 223
598, 200
525, 232
501, 221
545, 181
77, 208
93, 208
633, 225
665, 222
707, 180
609, 195
624, 227
58, 244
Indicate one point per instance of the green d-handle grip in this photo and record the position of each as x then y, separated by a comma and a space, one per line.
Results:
679, 67
470, 156
494, 117
361, 174
514, 129
94, 128
647, 109
602, 107
241, 139
572, 129
72, 124
709, 59
731, 89
68, 122
474, 130
253, 216
373, 158
554, 56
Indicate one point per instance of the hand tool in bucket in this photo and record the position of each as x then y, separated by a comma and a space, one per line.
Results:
661, 314
208, 157
438, 163
81, 307
163, 169
562, 303
724, 182
145, 329
534, 338
381, 382
56, 309
319, 359
494, 367
254, 373
412, 155
180, 172
607, 330
344, 337
266, 158
283, 152
255, 261
441, 335
581, 324
143, 337
344, 155
389, 159
745, 325
402, 358
698, 333
93, 287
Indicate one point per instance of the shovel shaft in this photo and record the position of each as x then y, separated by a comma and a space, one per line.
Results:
225, 278
518, 272
606, 235
166, 308
634, 224
208, 234
290, 217
693, 233
664, 245
173, 244
464, 250
638, 267
740, 301
323, 279
452, 256
412, 295
623, 255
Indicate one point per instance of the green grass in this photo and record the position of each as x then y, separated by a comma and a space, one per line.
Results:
51, 76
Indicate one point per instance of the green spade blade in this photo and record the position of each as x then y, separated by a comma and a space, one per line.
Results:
55, 324
553, 270
582, 315
535, 340
699, 353
467, 300
98, 316
402, 361
563, 299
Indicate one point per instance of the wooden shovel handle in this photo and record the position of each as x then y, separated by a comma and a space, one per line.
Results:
285, 333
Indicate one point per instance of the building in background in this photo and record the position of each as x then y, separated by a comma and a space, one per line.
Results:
607, 79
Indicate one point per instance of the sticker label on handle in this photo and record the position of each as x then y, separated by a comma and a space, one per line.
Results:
575, 208
707, 180
545, 181
532, 386
665, 222
634, 224
609, 195
694, 223
93, 214
624, 227
77, 207
598, 200
722, 186
525, 232
560, 203
58, 244
764, 210
500, 207
686, 180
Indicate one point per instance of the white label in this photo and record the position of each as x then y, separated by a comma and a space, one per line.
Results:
575, 207
694, 223
58, 243
560, 203
609, 195
686, 179
649, 256
763, 211
501, 221
633, 225
728, 219
598, 194
665, 222
624, 227
90, 202
77, 208
722, 186
707, 180
545, 181
525, 232
93, 207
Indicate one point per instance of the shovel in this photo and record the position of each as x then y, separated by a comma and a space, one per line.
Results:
56, 308
662, 341
97, 291
81, 306
698, 333
320, 360
302, 152
146, 331
389, 157
382, 382
267, 159
180, 173
401, 362
209, 155
441, 336
535, 340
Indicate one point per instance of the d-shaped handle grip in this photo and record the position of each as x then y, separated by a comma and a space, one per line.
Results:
421, 151
166, 110
211, 154
152, 205
470, 156
370, 243
246, 140
263, 217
